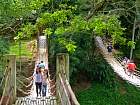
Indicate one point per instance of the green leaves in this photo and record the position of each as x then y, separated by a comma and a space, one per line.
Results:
131, 44
108, 25
78, 23
26, 31
48, 31
62, 21
45, 19
4, 46
60, 30
4, 49
57, 18
69, 45
101, 25
60, 16
12, 10
98, 26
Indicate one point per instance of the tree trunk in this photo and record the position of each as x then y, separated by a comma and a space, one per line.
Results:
138, 11
133, 39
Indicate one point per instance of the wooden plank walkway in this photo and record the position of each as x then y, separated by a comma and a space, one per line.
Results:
117, 67
36, 101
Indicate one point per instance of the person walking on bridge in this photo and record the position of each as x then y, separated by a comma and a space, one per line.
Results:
109, 49
131, 68
42, 65
44, 82
37, 76
124, 62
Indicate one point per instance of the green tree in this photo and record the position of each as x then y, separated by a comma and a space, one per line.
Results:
63, 20
13, 12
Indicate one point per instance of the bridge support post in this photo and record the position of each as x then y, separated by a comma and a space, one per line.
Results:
12, 80
62, 67
12, 63
62, 64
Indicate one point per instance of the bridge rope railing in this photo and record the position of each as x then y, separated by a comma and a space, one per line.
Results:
27, 78
25, 90
25, 85
52, 88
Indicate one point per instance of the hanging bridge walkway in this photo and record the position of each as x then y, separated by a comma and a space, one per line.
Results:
115, 63
59, 91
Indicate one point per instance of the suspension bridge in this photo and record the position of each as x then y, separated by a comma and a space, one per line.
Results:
59, 91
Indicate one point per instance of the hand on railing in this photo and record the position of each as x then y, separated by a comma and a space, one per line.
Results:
52, 83
29, 78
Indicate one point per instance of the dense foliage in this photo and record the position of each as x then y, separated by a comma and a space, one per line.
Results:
87, 60
71, 26
65, 25
12, 10
65, 17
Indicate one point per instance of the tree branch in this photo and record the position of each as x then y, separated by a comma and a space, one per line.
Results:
97, 7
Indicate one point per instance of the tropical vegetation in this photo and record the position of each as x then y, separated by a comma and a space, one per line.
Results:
71, 26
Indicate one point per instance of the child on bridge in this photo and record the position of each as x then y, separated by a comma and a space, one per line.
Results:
125, 61
42, 65
44, 83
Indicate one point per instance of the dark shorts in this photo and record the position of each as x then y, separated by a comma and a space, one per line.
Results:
110, 51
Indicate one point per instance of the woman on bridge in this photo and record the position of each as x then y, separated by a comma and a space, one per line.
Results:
38, 77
